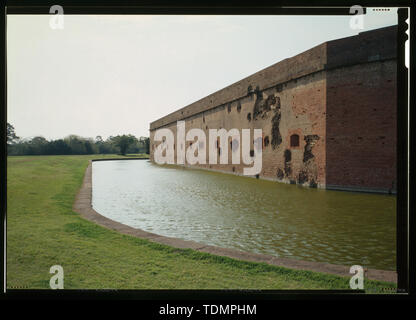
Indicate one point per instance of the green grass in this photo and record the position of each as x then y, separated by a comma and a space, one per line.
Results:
42, 230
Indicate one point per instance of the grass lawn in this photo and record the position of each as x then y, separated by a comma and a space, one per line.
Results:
42, 230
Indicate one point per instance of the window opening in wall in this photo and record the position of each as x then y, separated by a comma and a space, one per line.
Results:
294, 140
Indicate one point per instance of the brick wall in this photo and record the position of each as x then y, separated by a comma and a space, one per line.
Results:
361, 112
324, 96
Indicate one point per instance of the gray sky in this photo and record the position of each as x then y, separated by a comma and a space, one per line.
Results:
108, 75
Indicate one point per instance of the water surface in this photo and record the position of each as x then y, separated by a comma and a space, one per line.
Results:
248, 214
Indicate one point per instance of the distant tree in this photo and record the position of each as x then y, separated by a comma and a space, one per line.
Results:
101, 146
58, 147
11, 134
145, 142
38, 145
123, 142
38, 140
72, 144
76, 144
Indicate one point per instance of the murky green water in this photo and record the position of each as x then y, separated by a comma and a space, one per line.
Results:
248, 214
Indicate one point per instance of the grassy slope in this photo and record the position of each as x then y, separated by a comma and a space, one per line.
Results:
42, 230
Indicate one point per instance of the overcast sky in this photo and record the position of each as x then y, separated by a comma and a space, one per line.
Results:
108, 75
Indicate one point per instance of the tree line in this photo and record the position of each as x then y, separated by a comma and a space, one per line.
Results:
73, 144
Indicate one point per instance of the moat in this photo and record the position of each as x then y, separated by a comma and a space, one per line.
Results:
248, 214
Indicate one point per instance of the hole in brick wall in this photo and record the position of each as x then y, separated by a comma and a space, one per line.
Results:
266, 141
257, 176
249, 116
294, 140
229, 107
239, 107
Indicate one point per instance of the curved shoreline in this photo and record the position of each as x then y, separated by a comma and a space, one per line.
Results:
83, 205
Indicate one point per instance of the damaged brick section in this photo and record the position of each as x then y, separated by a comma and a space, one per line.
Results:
262, 107
276, 135
280, 175
310, 94
309, 171
310, 142
288, 158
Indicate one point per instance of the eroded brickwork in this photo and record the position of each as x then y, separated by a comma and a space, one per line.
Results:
328, 115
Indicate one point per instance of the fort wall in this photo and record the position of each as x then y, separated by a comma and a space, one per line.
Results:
338, 98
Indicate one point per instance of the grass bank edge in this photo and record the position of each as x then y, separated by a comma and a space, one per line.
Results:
84, 227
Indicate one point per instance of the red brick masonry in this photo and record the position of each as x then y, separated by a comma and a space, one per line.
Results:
339, 97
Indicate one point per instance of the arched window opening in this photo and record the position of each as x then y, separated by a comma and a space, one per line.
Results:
294, 140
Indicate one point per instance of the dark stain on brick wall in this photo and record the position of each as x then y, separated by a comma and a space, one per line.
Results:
280, 175
249, 90
310, 142
288, 158
276, 135
262, 107
308, 173
303, 177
